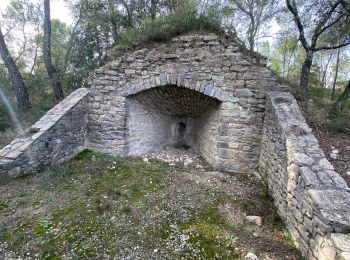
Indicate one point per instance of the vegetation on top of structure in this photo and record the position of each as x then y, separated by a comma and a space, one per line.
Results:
185, 18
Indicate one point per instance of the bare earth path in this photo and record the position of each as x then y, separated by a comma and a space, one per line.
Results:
101, 207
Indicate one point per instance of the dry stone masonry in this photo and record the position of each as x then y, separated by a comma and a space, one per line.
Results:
312, 198
203, 92
58, 135
200, 82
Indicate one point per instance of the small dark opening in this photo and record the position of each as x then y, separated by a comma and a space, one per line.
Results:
180, 141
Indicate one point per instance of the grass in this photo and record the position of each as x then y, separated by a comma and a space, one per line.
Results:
98, 205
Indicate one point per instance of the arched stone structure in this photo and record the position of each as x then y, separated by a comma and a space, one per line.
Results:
202, 91
201, 64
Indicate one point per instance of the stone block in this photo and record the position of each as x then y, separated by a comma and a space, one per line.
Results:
332, 206
225, 153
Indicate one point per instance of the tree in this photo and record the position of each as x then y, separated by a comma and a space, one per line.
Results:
51, 70
340, 103
250, 16
329, 14
20, 90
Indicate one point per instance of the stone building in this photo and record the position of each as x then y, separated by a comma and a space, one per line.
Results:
196, 86
204, 92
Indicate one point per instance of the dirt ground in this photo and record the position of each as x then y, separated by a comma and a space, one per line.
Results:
332, 134
102, 207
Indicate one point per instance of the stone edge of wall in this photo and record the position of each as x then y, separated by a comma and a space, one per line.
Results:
16, 158
312, 198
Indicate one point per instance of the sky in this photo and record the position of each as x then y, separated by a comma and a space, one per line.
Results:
58, 10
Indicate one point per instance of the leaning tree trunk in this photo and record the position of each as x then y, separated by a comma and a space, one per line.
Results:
339, 105
20, 90
51, 70
305, 72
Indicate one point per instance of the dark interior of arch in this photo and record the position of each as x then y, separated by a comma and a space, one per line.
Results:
172, 116
177, 101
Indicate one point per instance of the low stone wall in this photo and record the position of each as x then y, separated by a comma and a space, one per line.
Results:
58, 135
312, 198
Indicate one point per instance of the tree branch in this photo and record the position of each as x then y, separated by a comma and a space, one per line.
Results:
292, 8
332, 47
319, 29
70, 43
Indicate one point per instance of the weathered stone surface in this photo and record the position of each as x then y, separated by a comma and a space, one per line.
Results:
308, 193
333, 206
181, 82
58, 135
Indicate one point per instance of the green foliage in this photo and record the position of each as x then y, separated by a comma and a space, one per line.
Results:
42, 226
184, 19
139, 204
232, 239
85, 154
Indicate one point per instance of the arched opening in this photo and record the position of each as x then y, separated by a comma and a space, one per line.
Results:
172, 116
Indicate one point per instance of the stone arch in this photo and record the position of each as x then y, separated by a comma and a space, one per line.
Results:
175, 116
203, 64
188, 81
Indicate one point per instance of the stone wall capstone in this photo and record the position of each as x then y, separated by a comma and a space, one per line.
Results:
57, 136
312, 198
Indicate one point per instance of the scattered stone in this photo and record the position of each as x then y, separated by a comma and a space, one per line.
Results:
254, 219
334, 154
184, 237
187, 162
348, 173
172, 155
145, 159
170, 56
251, 256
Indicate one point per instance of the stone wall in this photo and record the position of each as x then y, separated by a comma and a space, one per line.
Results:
204, 134
240, 131
206, 70
58, 135
148, 129
312, 198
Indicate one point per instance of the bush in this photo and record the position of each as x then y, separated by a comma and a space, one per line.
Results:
185, 18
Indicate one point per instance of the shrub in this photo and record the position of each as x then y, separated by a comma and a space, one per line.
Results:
185, 18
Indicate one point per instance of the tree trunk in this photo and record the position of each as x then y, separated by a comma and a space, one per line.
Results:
112, 18
335, 73
305, 72
51, 70
324, 74
284, 55
20, 90
339, 105
153, 9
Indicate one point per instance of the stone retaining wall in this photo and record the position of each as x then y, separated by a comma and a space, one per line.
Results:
58, 135
312, 198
